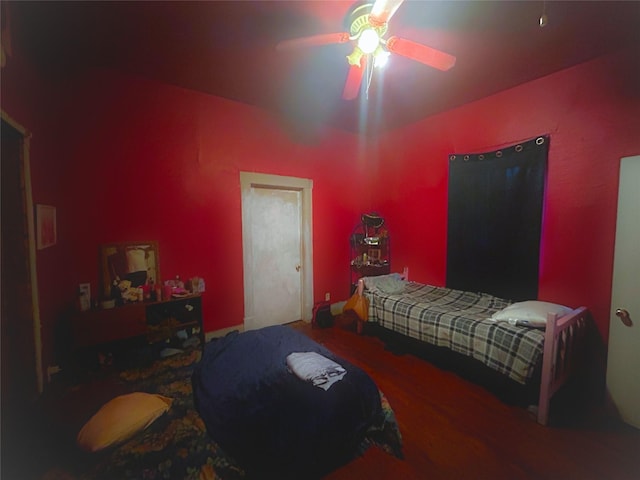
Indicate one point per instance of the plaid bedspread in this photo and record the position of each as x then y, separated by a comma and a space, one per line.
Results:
460, 321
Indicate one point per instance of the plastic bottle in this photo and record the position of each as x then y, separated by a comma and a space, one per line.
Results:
153, 294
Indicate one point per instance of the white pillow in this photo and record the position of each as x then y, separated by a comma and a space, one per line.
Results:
531, 312
373, 283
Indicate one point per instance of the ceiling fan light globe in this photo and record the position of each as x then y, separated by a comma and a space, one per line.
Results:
355, 57
381, 58
368, 41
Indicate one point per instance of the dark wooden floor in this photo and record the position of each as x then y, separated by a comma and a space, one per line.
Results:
455, 429
451, 428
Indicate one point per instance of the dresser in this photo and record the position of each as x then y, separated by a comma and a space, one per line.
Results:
154, 321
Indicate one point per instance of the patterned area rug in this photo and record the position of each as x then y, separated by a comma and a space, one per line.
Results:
176, 445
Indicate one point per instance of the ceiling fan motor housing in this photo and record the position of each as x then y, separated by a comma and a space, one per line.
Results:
358, 20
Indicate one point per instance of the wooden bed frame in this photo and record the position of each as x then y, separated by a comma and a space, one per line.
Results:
564, 341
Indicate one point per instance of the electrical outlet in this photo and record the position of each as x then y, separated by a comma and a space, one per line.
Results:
327, 296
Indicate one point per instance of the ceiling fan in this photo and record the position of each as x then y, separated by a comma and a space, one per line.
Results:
368, 23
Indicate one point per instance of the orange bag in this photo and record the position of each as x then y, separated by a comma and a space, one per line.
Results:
359, 304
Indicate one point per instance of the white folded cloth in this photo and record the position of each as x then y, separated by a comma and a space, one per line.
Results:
315, 368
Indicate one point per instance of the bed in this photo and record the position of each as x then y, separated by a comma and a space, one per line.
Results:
517, 340
182, 442
274, 422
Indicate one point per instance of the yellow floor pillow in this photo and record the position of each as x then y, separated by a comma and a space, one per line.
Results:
120, 419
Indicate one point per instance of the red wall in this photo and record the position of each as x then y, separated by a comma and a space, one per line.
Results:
124, 158
131, 159
158, 162
591, 111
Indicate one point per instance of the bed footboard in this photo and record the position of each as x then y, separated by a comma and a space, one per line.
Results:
563, 351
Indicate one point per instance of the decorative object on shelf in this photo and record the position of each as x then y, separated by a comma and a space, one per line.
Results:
370, 248
84, 297
46, 233
167, 291
176, 288
372, 220
195, 285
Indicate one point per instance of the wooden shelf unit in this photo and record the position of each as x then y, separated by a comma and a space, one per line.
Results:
370, 253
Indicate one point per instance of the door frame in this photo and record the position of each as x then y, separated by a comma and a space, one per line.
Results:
250, 180
25, 167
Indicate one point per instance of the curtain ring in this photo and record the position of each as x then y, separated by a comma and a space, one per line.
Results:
518, 148
480, 157
466, 158
539, 140
452, 157
499, 153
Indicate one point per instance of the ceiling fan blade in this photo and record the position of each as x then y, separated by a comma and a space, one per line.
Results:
312, 41
354, 80
383, 10
421, 53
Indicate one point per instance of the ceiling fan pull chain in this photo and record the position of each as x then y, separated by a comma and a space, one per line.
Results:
369, 77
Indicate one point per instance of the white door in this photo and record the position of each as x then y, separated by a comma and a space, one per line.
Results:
276, 266
623, 363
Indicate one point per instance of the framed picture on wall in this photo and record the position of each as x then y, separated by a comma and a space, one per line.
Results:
46, 234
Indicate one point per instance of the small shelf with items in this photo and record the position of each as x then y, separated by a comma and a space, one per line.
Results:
370, 249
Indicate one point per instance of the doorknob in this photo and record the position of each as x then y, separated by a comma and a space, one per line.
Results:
624, 316
298, 267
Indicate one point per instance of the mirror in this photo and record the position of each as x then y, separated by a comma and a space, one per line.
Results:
134, 262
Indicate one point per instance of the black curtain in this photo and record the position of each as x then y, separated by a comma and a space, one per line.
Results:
495, 218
